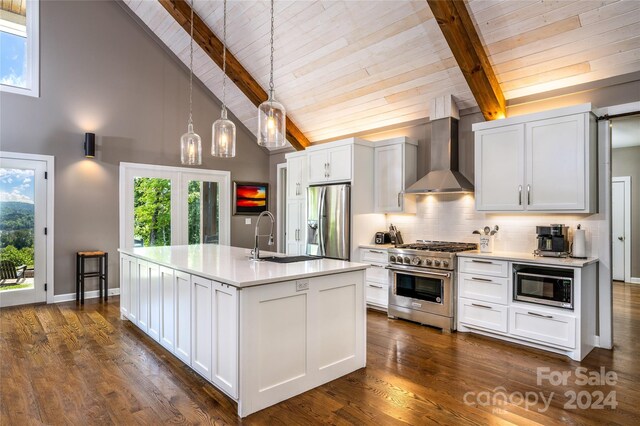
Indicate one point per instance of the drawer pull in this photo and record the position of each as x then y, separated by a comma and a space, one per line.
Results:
481, 279
482, 261
540, 315
375, 286
378, 266
481, 306
376, 251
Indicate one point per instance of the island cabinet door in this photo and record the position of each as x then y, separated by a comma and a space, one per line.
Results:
142, 272
202, 320
128, 288
155, 301
225, 338
183, 316
167, 313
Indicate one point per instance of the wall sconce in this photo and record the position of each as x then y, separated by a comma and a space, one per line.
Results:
89, 145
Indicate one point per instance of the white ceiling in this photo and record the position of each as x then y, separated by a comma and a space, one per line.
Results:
343, 67
625, 132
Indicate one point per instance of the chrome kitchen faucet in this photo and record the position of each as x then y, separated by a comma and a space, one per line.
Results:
255, 253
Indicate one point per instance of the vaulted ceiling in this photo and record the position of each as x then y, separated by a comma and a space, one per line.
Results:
343, 67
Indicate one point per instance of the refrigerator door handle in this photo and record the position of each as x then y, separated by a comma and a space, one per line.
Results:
322, 221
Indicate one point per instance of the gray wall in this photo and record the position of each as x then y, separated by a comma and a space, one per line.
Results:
626, 162
101, 72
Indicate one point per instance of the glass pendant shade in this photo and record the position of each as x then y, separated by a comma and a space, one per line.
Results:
191, 148
272, 119
224, 137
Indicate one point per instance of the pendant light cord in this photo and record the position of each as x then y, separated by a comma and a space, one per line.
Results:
191, 71
271, 72
224, 59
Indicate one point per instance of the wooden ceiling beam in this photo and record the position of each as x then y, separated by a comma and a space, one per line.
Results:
458, 29
207, 40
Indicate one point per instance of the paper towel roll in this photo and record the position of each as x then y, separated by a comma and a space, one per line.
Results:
579, 243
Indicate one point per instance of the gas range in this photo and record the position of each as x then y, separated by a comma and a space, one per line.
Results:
428, 254
423, 280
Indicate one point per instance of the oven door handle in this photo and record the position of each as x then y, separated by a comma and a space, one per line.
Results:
419, 272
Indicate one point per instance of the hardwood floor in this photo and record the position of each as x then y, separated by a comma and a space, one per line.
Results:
64, 364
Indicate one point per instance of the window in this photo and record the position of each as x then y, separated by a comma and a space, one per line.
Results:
162, 205
19, 47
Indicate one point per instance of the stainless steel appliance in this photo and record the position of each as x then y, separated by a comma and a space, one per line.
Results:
423, 284
328, 221
553, 241
543, 285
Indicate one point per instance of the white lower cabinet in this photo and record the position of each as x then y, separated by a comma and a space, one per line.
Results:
543, 326
225, 338
127, 276
376, 277
481, 314
155, 302
183, 316
196, 319
142, 272
167, 309
486, 306
202, 320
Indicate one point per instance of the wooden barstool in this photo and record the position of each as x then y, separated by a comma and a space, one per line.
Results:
102, 273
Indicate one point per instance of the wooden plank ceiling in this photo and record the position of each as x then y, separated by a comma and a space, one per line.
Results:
343, 67
19, 7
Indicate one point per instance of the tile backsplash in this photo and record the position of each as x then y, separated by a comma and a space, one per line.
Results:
452, 217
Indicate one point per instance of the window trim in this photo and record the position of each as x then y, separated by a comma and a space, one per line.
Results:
32, 55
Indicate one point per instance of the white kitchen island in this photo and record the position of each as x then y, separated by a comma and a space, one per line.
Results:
261, 332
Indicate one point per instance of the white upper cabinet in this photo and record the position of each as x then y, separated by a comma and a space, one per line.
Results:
556, 163
499, 168
544, 162
395, 168
331, 164
296, 175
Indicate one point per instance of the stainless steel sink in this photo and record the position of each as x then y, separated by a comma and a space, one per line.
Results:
289, 259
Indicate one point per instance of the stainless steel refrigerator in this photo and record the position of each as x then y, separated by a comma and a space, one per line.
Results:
328, 221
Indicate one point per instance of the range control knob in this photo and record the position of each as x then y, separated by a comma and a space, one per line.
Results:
436, 262
407, 260
428, 261
392, 258
445, 263
415, 261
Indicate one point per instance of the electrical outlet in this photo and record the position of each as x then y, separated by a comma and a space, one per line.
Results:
247, 221
302, 285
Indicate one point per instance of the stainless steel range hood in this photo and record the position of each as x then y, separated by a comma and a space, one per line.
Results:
444, 176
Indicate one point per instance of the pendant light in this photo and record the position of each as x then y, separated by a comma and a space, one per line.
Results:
271, 114
190, 142
223, 130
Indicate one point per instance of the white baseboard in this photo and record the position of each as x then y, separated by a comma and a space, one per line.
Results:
635, 280
58, 298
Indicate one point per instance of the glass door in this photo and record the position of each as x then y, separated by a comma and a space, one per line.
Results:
23, 210
163, 206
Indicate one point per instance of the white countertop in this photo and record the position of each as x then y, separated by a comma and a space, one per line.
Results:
530, 258
231, 265
377, 246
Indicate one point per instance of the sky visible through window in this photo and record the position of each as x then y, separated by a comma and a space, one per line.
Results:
16, 185
13, 65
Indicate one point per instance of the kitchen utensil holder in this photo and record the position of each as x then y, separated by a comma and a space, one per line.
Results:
486, 243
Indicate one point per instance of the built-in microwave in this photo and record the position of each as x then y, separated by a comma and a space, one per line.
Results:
543, 285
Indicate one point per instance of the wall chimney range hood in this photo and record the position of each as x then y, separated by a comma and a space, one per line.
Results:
444, 176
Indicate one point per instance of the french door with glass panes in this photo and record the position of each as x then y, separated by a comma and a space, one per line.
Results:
23, 239
163, 205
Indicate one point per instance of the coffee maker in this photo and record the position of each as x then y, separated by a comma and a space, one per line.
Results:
553, 241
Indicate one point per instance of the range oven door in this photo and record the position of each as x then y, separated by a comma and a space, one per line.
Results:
422, 290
